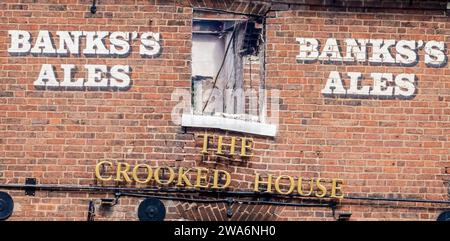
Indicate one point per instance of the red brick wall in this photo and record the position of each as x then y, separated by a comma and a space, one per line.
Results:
380, 147
390, 148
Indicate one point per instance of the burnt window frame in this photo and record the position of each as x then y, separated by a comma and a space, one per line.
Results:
242, 122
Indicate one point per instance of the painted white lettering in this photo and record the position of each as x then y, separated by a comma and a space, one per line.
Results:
331, 51
120, 39
67, 81
434, 54
382, 84
149, 44
309, 49
119, 76
20, 42
46, 77
380, 51
354, 89
405, 85
334, 85
44, 44
406, 54
69, 42
95, 44
96, 75
356, 49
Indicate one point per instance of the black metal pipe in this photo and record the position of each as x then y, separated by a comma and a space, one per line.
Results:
113, 189
151, 190
190, 191
251, 202
94, 7
174, 198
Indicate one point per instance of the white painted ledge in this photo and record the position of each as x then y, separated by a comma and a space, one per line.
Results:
200, 121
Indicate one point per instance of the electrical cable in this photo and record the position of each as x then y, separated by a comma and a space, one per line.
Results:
226, 11
318, 5
221, 67
357, 7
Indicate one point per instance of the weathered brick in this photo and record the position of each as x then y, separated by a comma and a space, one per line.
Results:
6, 94
381, 147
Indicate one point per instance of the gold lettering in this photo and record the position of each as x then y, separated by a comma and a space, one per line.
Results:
219, 145
258, 181
120, 172
284, 184
171, 176
182, 177
245, 146
202, 177
335, 187
97, 171
291, 185
205, 143
149, 173
321, 187
216, 179
232, 145
300, 187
